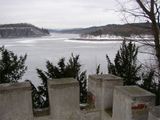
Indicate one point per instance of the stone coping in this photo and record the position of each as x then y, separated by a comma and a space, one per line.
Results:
90, 110
62, 81
105, 77
133, 91
156, 111
41, 112
15, 86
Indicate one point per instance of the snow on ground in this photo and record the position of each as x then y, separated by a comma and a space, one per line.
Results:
110, 37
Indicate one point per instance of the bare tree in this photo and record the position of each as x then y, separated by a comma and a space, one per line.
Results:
151, 11
148, 11
145, 10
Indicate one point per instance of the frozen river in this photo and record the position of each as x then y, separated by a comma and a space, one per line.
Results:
56, 46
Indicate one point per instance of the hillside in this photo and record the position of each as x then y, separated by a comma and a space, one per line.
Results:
21, 30
113, 29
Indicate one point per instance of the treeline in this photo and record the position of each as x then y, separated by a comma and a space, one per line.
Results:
21, 30
125, 30
112, 29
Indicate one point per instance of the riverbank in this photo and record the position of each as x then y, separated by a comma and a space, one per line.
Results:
113, 39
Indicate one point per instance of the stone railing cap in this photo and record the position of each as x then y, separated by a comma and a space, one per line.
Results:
133, 91
105, 77
15, 86
156, 111
62, 81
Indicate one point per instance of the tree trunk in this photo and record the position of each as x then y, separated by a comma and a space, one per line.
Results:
155, 29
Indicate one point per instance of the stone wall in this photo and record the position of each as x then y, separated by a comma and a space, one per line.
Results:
91, 115
15, 101
132, 103
154, 114
112, 101
64, 99
102, 86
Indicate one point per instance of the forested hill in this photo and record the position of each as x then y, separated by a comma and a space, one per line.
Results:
21, 30
113, 29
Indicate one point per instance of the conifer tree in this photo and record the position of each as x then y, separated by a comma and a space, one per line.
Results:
63, 70
12, 67
148, 82
125, 64
37, 99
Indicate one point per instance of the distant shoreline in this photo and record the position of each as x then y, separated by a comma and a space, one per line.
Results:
20, 37
96, 40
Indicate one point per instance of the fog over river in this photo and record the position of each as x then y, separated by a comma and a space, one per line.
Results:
56, 46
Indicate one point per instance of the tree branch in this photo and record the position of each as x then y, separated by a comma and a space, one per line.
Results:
143, 7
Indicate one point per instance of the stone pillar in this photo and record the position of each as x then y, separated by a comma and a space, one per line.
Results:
132, 103
154, 114
102, 86
64, 99
15, 101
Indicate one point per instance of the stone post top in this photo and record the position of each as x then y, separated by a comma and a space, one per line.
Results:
62, 81
15, 86
105, 77
156, 111
133, 91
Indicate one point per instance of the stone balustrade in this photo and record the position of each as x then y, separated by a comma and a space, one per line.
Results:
154, 114
112, 101
132, 103
15, 101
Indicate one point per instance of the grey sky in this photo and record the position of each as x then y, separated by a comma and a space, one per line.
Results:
59, 13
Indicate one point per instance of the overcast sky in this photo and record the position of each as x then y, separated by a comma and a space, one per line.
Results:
59, 13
